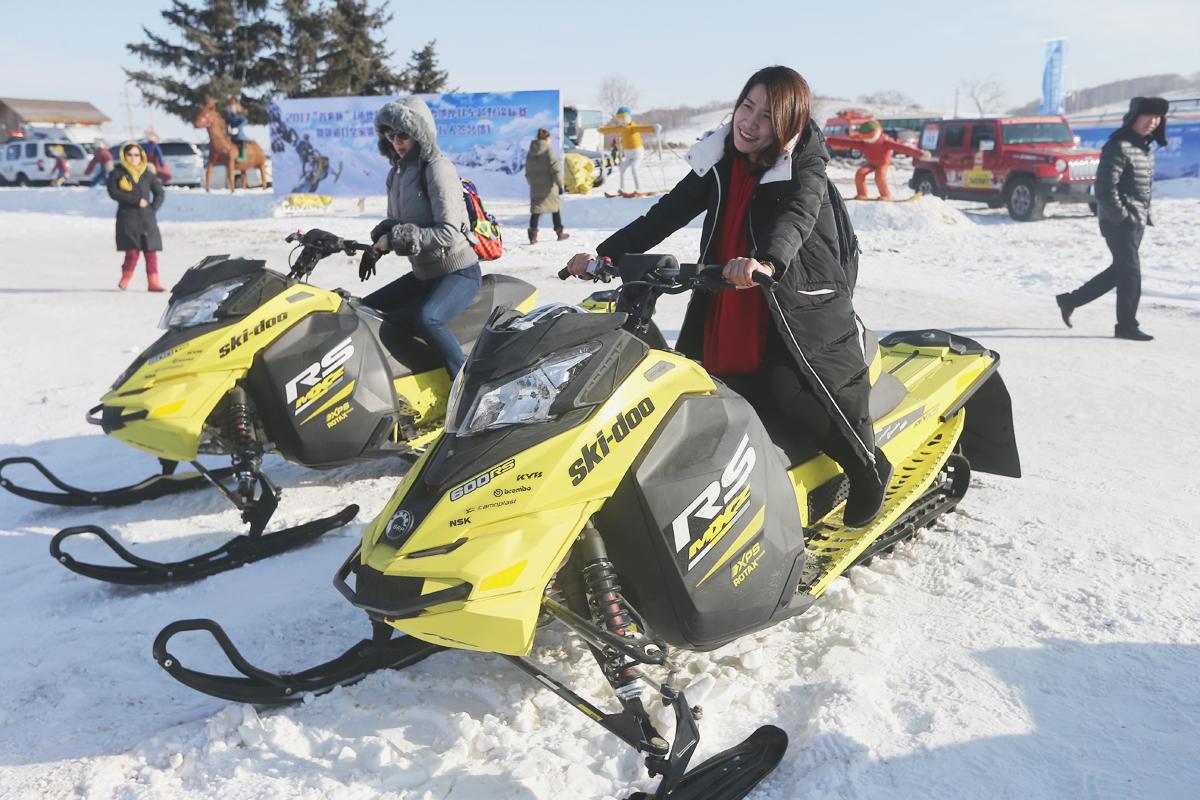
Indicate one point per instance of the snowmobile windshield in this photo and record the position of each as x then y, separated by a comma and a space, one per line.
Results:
1037, 133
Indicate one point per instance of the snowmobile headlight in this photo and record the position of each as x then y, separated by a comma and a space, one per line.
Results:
521, 398
199, 308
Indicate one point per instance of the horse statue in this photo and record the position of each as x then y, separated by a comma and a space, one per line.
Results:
223, 150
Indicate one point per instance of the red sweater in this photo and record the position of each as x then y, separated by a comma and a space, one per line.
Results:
735, 330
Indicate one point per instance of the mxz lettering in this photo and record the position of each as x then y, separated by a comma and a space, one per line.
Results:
713, 499
319, 374
237, 341
595, 452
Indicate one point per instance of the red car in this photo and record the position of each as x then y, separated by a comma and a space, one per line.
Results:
1019, 162
844, 123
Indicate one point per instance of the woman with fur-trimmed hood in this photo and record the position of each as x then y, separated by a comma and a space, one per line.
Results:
139, 194
427, 221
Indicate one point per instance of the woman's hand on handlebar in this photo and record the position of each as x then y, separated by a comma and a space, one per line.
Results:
578, 265
740, 271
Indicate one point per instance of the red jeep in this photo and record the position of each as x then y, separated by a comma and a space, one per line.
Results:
1021, 162
844, 123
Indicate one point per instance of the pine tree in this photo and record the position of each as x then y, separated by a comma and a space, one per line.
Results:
423, 75
355, 63
226, 50
305, 32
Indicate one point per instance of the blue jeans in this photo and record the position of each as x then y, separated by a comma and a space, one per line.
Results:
429, 305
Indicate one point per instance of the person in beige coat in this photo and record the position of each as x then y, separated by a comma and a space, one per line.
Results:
544, 174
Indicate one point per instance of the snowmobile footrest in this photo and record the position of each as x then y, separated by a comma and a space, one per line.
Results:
240, 550
268, 688
730, 774
161, 485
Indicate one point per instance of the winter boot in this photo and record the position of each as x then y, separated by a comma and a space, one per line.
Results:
126, 277
1133, 334
562, 237
152, 284
1065, 308
532, 235
868, 489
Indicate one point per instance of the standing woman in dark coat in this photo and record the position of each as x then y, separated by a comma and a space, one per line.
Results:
762, 182
543, 173
139, 193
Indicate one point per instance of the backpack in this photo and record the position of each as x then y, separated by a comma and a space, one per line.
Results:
848, 249
482, 230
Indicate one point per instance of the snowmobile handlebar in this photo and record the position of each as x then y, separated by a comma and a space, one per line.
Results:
316, 244
664, 272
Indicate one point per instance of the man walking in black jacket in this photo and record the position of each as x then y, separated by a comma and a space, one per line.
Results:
1123, 184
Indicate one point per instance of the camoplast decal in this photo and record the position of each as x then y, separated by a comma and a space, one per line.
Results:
237, 341
482, 479
399, 525
721, 503
593, 453
319, 376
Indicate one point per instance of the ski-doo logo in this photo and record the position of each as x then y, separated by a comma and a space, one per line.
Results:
399, 525
319, 376
237, 341
595, 452
482, 479
733, 495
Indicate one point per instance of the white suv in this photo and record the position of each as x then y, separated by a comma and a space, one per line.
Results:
185, 162
27, 162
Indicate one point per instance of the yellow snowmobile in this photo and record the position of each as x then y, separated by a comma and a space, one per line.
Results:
253, 362
590, 475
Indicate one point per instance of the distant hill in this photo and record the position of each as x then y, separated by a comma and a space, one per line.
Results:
1119, 91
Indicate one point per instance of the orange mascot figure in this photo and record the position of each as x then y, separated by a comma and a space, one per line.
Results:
877, 148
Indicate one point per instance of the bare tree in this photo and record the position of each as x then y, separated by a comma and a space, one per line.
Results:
986, 93
617, 91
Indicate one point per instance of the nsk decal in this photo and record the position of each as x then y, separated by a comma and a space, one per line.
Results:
399, 525
237, 341
482, 479
595, 452
320, 376
721, 503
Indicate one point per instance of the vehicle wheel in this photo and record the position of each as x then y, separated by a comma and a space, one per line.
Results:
1092, 207
1025, 202
854, 154
925, 184
599, 181
22, 179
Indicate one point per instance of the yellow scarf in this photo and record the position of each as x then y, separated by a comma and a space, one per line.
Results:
137, 171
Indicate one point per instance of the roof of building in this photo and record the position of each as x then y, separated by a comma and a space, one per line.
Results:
64, 111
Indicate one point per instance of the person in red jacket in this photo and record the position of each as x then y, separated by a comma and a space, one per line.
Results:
877, 148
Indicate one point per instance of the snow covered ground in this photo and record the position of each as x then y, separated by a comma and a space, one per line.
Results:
1041, 643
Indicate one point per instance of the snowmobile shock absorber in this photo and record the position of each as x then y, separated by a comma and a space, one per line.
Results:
241, 425
608, 606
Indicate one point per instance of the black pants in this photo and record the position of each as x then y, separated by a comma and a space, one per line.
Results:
557, 216
1125, 273
783, 398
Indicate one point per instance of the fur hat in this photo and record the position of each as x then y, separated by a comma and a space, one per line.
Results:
1156, 106
411, 115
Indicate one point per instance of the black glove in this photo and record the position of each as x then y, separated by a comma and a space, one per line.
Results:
366, 264
382, 229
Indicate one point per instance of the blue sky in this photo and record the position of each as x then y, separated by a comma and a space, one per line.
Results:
675, 53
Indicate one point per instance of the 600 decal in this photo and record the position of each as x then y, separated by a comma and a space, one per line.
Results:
593, 453
482, 479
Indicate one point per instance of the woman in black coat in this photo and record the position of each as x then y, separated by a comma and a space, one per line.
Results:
762, 182
139, 193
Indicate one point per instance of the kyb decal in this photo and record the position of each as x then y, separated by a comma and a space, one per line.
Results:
720, 505
237, 341
593, 453
319, 377
482, 479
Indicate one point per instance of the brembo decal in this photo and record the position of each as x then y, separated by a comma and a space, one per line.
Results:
237, 341
593, 453
482, 479
320, 376
721, 503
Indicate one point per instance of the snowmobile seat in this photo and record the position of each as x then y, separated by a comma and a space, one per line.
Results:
408, 353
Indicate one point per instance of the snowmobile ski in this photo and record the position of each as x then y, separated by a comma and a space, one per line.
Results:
730, 774
260, 687
243, 549
168, 482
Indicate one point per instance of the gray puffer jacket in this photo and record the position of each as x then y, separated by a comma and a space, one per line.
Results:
1124, 178
425, 198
